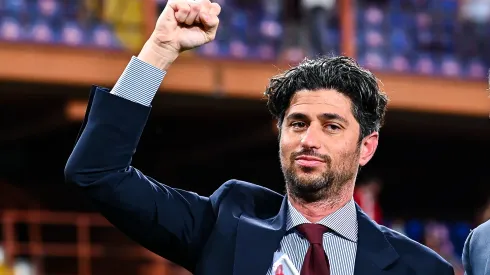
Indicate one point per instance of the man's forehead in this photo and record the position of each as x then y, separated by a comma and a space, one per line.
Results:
330, 99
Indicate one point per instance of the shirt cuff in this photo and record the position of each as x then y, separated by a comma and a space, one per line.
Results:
139, 82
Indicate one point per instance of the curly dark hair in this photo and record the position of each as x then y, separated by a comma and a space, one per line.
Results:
342, 74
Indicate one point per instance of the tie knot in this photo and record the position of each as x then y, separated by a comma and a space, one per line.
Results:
313, 232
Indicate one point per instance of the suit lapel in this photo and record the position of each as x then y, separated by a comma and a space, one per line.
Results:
256, 242
375, 255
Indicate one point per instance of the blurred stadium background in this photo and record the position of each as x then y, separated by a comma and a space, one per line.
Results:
428, 180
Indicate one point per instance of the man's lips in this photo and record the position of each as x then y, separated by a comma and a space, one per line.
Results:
309, 161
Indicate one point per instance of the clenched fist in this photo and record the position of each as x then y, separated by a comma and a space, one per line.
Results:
183, 25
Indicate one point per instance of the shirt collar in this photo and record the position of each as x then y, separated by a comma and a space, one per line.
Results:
343, 221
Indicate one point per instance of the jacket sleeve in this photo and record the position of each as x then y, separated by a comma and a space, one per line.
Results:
170, 222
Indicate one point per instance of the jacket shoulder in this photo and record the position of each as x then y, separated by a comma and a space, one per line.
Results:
482, 232
479, 238
247, 197
416, 254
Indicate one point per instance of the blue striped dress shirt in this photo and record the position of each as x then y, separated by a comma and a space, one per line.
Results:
140, 82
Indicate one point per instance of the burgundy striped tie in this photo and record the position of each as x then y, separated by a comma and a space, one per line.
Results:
316, 262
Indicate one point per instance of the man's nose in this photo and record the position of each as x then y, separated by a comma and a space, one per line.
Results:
311, 138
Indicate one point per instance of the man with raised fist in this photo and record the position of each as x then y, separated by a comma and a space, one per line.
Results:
329, 113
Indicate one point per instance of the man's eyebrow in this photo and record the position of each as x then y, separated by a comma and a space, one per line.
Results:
324, 116
298, 116
333, 116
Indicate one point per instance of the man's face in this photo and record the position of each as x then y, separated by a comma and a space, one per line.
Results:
319, 146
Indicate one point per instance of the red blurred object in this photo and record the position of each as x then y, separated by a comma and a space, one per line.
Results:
367, 196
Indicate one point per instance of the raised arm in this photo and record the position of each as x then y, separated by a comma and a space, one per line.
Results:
170, 222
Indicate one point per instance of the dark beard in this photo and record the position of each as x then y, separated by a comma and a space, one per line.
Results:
328, 186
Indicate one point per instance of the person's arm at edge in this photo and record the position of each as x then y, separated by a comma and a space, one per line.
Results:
466, 257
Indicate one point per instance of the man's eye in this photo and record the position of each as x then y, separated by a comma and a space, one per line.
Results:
333, 127
298, 124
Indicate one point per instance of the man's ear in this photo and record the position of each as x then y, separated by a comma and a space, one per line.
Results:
369, 144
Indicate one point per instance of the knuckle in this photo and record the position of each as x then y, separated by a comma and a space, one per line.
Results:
216, 8
185, 8
204, 9
195, 7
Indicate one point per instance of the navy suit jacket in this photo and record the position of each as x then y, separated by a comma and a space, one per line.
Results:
476, 251
234, 231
